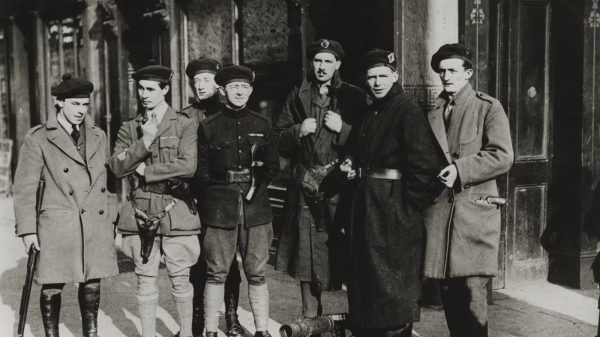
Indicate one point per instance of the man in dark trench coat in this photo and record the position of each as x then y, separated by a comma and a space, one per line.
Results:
395, 165
316, 121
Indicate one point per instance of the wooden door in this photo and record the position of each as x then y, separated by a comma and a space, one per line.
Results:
528, 99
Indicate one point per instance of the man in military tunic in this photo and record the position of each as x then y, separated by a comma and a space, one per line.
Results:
237, 159
202, 73
157, 147
74, 235
463, 227
315, 125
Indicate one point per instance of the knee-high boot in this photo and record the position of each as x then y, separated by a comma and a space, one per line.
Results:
232, 296
89, 301
50, 302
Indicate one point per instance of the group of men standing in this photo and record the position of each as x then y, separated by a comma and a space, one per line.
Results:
379, 195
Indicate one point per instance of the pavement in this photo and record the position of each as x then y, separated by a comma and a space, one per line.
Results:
540, 309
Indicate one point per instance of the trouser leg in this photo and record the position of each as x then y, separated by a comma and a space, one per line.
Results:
50, 302
89, 301
465, 306
311, 300
198, 280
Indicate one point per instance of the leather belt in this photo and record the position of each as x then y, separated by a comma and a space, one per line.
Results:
158, 188
373, 173
232, 176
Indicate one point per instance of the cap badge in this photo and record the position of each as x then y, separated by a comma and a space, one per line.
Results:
217, 65
325, 44
391, 57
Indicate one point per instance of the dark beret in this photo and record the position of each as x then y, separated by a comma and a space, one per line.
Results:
450, 51
234, 74
324, 46
153, 72
202, 65
378, 58
72, 88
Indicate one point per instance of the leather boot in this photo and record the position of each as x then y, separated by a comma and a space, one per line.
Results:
89, 300
50, 301
211, 334
234, 328
262, 334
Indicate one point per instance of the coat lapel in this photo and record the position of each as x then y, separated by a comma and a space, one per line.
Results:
166, 122
458, 115
92, 139
61, 140
436, 121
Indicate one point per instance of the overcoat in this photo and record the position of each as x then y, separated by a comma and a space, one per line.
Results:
173, 154
75, 230
478, 143
322, 262
387, 226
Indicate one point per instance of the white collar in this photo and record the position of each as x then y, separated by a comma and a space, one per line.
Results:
159, 110
65, 123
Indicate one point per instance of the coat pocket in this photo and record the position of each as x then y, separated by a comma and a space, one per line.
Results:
218, 152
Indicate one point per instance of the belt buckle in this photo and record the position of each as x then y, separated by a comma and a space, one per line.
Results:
230, 177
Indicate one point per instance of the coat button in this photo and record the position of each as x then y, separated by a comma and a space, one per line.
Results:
66, 170
82, 211
101, 212
239, 137
172, 146
240, 151
155, 155
70, 192
103, 190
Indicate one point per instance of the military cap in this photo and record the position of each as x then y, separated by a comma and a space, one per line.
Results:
450, 51
234, 74
153, 72
72, 88
324, 46
202, 65
378, 58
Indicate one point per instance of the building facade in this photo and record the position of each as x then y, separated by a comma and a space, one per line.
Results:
538, 57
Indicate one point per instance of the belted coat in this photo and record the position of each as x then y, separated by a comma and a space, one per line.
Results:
75, 229
478, 142
387, 226
173, 154
307, 254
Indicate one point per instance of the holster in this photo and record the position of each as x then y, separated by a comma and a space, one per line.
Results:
313, 196
147, 228
182, 190
255, 175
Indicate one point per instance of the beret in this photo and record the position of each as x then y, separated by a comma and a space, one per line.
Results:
378, 58
153, 72
450, 51
234, 74
202, 65
72, 88
324, 46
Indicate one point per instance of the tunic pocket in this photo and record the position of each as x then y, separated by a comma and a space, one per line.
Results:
168, 147
218, 153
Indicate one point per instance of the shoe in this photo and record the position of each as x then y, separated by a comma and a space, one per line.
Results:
262, 334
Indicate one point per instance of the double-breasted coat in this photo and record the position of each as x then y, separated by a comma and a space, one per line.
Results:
387, 226
307, 254
173, 154
478, 142
75, 229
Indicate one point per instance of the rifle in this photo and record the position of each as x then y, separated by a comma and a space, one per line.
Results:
31, 265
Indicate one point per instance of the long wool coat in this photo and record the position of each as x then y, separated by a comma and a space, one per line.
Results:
75, 229
304, 253
478, 143
387, 227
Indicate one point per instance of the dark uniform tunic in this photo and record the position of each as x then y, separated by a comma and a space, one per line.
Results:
387, 227
305, 253
198, 111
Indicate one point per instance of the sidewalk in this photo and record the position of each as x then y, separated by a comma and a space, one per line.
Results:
541, 309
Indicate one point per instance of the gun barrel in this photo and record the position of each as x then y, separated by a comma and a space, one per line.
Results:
31, 262
307, 327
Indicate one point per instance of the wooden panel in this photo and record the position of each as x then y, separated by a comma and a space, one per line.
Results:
530, 219
533, 49
209, 29
265, 31
474, 26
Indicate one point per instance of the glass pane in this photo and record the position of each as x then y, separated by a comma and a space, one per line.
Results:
69, 29
54, 51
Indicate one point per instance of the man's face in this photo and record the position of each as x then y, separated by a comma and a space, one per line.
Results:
205, 86
453, 75
237, 93
74, 109
324, 66
151, 95
380, 80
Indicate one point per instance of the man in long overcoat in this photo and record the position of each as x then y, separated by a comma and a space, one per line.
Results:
201, 73
315, 124
395, 167
75, 233
156, 151
463, 227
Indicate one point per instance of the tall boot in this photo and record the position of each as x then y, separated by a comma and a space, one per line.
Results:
259, 302
147, 305
89, 300
185, 310
198, 280
50, 302
234, 328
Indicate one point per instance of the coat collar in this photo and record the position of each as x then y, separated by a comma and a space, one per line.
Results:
167, 121
65, 144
